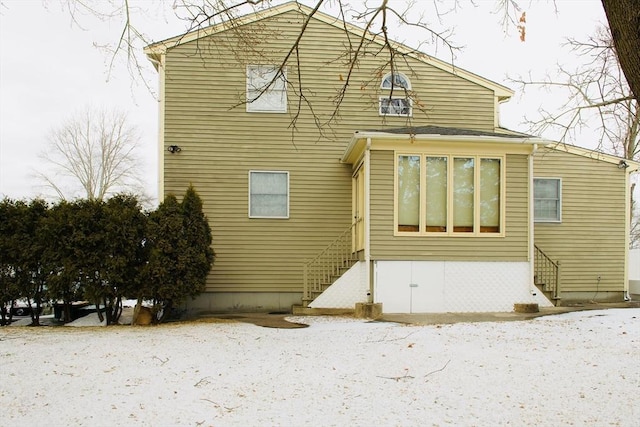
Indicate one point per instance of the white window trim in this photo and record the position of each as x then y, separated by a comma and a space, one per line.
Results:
544, 220
392, 93
423, 202
249, 195
252, 107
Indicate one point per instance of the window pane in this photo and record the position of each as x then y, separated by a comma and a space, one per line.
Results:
408, 193
463, 188
546, 189
268, 194
546, 193
400, 81
273, 98
489, 195
436, 188
395, 106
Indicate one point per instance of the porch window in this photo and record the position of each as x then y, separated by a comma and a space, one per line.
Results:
490, 203
268, 194
547, 203
450, 195
436, 194
409, 193
266, 89
463, 194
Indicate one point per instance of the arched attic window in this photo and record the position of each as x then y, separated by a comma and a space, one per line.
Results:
394, 100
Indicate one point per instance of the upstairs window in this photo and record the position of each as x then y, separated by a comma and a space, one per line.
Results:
547, 200
394, 100
399, 81
266, 89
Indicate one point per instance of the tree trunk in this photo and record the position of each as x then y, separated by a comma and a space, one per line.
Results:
166, 309
624, 22
35, 317
100, 315
6, 315
66, 311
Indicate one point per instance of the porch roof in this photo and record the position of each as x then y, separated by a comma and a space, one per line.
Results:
436, 133
441, 130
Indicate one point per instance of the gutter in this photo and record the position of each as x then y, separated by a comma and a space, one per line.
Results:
530, 211
358, 136
437, 136
631, 168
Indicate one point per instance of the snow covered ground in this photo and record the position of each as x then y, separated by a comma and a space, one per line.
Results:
581, 369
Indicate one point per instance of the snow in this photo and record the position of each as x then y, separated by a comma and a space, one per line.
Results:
580, 368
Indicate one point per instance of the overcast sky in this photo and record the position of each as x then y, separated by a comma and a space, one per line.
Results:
50, 68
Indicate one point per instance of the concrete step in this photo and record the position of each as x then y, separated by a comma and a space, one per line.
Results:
299, 310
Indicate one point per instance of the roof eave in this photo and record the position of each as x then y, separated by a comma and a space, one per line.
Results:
632, 166
161, 46
361, 135
436, 136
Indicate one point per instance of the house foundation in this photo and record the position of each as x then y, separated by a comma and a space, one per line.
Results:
239, 302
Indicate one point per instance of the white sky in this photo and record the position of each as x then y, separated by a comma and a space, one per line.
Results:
50, 69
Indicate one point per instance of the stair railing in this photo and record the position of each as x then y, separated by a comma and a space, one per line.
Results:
330, 263
547, 273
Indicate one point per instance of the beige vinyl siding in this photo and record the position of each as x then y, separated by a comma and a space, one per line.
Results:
205, 85
590, 241
386, 246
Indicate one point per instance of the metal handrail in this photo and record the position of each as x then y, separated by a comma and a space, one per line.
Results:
329, 263
547, 273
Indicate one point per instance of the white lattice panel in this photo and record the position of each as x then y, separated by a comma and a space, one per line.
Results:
486, 286
447, 286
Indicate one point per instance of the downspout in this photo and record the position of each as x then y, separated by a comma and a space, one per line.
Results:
367, 218
627, 232
161, 108
532, 287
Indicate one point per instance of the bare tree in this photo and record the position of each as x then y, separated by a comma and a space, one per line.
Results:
92, 155
377, 16
594, 92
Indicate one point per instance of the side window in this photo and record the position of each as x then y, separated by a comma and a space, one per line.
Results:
268, 194
394, 100
547, 199
266, 89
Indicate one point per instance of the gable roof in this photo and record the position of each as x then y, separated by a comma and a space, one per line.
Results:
156, 50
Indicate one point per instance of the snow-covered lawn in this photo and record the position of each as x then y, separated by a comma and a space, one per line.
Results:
579, 369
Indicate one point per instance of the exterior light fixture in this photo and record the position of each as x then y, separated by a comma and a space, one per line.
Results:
174, 149
623, 165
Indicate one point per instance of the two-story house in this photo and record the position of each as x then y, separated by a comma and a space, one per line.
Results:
409, 193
